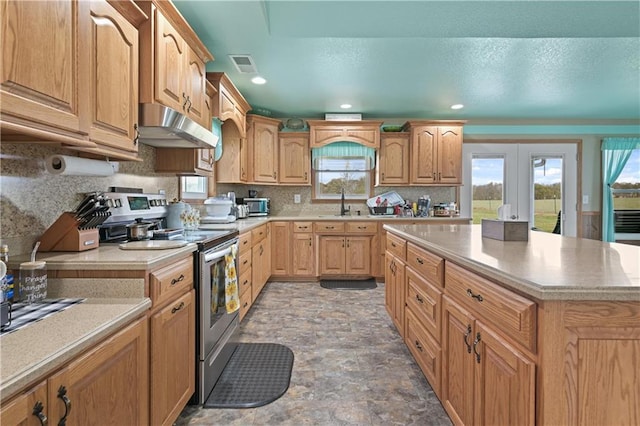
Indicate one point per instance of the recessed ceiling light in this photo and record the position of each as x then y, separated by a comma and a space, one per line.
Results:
457, 106
345, 106
258, 80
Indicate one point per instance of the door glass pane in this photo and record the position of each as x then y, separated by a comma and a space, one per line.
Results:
487, 180
626, 190
547, 193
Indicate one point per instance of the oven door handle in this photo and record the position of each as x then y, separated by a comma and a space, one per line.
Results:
208, 257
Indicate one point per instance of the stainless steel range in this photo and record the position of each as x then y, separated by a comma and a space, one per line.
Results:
216, 330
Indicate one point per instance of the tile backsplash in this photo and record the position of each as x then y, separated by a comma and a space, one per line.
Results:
32, 199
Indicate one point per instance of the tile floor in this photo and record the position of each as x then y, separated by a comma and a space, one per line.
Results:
350, 368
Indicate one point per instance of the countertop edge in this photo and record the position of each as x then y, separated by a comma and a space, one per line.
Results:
521, 285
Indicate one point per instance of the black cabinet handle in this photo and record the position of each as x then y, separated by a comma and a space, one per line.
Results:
177, 280
177, 308
62, 394
418, 346
419, 299
465, 338
478, 296
136, 139
393, 244
475, 344
420, 261
37, 411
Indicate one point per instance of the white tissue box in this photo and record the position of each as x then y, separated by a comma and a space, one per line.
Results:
505, 230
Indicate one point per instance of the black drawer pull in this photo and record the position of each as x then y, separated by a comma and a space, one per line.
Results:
393, 245
62, 394
419, 299
478, 296
419, 346
177, 280
177, 308
37, 411
420, 261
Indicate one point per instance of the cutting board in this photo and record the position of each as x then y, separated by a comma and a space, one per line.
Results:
153, 245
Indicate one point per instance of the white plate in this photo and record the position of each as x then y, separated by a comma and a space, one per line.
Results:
153, 245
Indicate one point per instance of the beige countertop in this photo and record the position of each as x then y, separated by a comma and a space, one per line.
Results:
547, 267
108, 257
33, 352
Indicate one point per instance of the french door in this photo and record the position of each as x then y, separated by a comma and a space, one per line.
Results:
539, 181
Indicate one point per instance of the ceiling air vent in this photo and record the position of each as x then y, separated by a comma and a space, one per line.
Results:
244, 64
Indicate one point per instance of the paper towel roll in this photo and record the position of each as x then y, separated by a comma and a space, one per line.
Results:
76, 166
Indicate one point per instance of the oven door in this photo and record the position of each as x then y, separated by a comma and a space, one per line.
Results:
214, 319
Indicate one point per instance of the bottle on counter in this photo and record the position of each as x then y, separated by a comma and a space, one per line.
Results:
7, 281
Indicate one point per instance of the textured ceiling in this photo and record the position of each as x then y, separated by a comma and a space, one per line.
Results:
504, 60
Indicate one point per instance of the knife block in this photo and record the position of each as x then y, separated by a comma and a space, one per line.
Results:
64, 235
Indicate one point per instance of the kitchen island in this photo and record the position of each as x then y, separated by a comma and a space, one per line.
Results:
544, 331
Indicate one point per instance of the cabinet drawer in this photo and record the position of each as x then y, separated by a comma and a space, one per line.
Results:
244, 242
244, 282
514, 315
244, 263
328, 227
426, 351
429, 266
425, 301
258, 234
302, 226
396, 245
245, 303
170, 281
362, 227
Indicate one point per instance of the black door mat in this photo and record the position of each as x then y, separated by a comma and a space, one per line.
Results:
256, 374
367, 284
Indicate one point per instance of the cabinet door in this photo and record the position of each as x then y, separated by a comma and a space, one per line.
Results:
169, 63
232, 166
110, 381
358, 256
280, 248
294, 159
267, 261
173, 355
504, 385
332, 255
25, 409
303, 254
389, 281
457, 364
393, 161
196, 91
265, 153
112, 47
423, 154
399, 299
450, 155
257, 264
40, 62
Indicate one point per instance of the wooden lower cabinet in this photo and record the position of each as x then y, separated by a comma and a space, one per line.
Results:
172, 354
302, 252
280, 248
260, 259
486, 381
28, 409
395, 290
108, 383
344, 255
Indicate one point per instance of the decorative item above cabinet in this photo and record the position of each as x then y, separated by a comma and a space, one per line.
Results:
322, 132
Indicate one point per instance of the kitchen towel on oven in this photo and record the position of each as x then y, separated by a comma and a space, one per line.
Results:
231, 281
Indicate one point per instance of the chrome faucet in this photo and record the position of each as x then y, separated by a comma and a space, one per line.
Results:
343, 210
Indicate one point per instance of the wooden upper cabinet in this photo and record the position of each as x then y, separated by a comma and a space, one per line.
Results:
294, 161
322, 132
393, 159
262, 139
173, 62
436, 152
196, 91
170, 56
229, 104
41, 69
113, 52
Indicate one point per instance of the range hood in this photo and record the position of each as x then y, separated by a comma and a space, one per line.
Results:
163, 127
